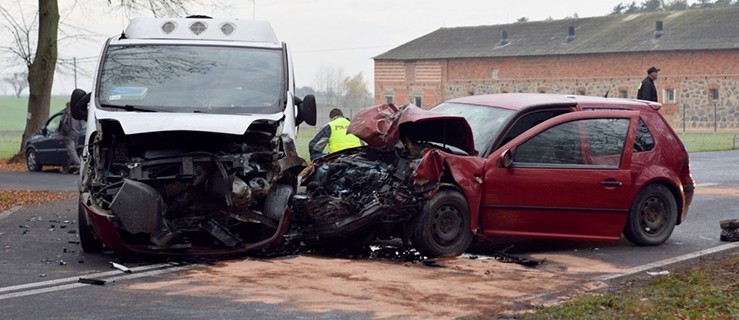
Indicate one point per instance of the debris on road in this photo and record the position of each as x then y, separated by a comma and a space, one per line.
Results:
96, 282
658, 273
120, 267
12, 198
729, 230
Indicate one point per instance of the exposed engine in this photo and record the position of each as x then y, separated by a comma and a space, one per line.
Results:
368, 191
177, 190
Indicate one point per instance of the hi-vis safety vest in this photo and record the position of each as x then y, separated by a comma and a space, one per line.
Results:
339, 139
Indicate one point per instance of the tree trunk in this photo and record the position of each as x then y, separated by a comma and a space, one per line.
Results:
41, 70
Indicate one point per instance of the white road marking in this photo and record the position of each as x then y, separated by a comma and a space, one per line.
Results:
163, 267
669, 261
707, 184
79, 285
8, 212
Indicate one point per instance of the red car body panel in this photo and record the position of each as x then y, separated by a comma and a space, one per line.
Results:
558, 202
465, 170
380, 126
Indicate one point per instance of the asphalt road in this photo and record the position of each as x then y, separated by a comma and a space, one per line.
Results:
41, 259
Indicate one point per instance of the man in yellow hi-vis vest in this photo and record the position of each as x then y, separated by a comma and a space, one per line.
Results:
334, 135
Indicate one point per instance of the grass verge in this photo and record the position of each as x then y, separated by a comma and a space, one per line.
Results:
707, 288
700, 142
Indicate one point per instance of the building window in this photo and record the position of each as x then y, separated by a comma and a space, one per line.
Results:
713, 94
389, 99
669, 95
418, 101
623, 94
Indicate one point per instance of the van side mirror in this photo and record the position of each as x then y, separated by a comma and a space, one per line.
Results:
307, 110
505, 160
78, 104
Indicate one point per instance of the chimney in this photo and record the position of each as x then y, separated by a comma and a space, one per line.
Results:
571, 34
658, 32
504, 38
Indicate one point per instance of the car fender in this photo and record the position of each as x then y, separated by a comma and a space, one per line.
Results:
465, 171
661, 175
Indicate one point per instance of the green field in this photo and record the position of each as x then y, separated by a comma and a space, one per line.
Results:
701, 142
13, 111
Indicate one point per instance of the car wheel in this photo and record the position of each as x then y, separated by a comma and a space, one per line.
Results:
652, 217
87, 239
442, 228
32, 161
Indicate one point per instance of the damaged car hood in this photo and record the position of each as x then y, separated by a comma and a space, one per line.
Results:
382, 126
136, 122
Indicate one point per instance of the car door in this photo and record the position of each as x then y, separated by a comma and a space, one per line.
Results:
566, 178
50, 148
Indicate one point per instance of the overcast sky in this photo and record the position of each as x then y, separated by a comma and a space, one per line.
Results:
335, 33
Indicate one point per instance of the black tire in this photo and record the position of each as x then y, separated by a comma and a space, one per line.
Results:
32, 161
652, 217
442, 228
87, 239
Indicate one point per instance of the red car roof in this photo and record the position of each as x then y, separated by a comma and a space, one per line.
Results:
518, 101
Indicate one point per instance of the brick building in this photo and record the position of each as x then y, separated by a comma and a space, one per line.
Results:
697, 51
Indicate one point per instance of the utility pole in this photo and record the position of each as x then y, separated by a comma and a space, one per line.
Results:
253, 9
74, 63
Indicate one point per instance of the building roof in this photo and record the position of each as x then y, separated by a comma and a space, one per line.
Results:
698, 29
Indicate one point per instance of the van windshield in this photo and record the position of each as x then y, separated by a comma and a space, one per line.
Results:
178, 78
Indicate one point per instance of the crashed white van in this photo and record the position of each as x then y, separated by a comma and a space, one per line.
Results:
190, 144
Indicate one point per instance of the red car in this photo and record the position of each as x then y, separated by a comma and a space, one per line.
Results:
524, 165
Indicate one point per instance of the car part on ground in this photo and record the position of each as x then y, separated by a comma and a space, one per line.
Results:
729, 230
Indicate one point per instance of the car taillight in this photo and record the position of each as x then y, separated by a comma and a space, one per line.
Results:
685, 165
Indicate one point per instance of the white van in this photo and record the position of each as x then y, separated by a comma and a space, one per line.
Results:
190, 143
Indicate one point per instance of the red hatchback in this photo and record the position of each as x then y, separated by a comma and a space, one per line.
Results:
524, 165
577, 167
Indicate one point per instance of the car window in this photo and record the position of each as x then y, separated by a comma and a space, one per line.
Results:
644, 140
562, 144
529, 121
485, 122
53, 124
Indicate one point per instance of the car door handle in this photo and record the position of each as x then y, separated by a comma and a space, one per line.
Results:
611, 183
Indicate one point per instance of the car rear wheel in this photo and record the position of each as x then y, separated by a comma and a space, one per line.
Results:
652, 217
442, 228
32, 161
87, 239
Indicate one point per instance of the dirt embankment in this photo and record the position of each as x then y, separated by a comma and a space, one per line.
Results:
382, 289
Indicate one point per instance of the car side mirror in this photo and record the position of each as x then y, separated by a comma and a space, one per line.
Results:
78, 104
44, 131
505, 160
307, 111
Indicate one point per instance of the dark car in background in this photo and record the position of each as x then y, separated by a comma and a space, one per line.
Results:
46, 146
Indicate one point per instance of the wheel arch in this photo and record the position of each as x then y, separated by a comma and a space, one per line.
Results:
673, 189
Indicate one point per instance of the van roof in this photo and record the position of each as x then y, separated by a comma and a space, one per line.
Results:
201, 29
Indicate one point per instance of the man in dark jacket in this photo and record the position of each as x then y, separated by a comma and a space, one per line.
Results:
70, 132
647, 90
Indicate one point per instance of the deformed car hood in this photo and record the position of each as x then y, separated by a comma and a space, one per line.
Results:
143, 122
381, 126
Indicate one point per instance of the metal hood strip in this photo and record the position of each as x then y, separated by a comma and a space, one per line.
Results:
144, 122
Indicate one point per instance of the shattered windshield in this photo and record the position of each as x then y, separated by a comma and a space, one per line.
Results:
204, 79
486, 122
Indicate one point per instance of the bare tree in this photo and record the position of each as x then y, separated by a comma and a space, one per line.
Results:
18, 81
43, 31
329, 84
